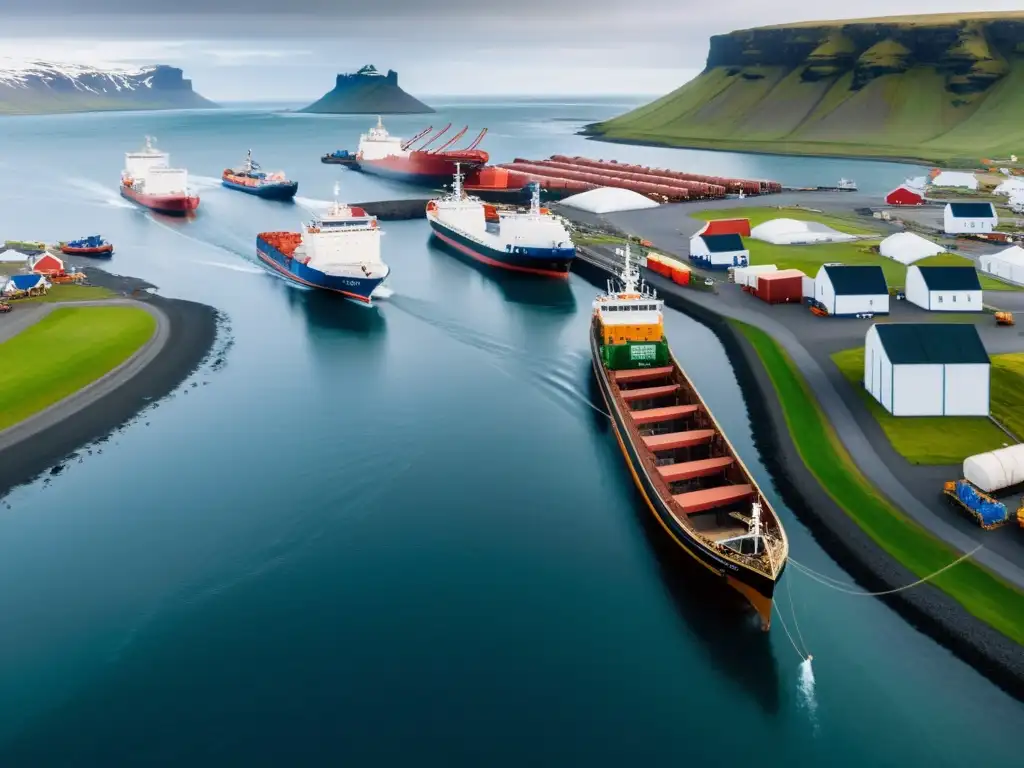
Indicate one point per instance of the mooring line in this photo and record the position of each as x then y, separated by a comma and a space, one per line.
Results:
786, 629
796, 624
825, 580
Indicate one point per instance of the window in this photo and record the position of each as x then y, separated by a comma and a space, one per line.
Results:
940, 299
954, 299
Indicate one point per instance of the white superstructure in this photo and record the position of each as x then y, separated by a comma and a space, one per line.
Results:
635, 304
530, 229
344, 242
377, 143
148, 170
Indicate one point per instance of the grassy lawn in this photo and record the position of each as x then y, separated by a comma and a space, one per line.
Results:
63, 352
929, 439
69, 292
809, 258
980, 592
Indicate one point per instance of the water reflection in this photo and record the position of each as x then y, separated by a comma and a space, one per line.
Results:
553, 294
330, 311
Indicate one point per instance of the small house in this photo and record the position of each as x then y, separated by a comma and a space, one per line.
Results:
927, 369
1007, 264
955, 179
719, 251
46, 264
34, 285
905, 195
739, 227
944, 289
908, 247
969, 218
851, 289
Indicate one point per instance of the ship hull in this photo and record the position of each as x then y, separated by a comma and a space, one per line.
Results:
172, 205
359, 290
546, 262
757, 588
272, 191
419, 168
100, 251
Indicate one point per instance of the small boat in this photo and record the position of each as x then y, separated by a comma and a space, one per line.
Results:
848, 185
341, 157
250, 178
687, 471
93, 245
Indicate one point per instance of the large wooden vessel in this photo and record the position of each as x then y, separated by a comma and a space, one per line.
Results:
684, 466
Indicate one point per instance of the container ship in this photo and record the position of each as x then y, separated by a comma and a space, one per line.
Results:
684, 466
533, 241
148, 180
338, 251
251, 179
385, 155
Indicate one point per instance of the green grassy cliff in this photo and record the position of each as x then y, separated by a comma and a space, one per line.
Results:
943, 88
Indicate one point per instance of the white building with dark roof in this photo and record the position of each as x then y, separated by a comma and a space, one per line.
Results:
944, 289
969, 218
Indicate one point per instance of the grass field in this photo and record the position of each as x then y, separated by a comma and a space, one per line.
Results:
66, 350
980, 592
809, 258
69, 292
948, 439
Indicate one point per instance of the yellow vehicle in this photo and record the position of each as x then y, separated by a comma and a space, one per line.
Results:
1004, 318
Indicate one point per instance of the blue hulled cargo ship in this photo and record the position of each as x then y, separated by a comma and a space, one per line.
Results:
251, 179
534, 241
338, 251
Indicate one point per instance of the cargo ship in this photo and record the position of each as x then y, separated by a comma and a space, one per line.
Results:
684, 466
251, 179
148, 180
93, 245
382, 154
534, 241
338, 251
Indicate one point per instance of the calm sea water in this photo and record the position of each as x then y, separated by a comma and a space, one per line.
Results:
404, 534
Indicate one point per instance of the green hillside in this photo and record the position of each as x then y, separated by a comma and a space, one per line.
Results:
938, 89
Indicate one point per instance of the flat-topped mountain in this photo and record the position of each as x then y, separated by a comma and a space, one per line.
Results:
38, 87
943, 87
368, 92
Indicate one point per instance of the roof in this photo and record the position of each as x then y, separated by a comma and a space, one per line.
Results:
24, 282
857, 280
726, 226
931, 343
908, 247
972, 210
1014, 254
917, 192
608, 200
950, 278
723, 243
780, 274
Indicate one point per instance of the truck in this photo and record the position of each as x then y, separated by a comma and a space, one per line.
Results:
985, 474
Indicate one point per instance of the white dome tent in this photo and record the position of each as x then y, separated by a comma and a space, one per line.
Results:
793, 232
997, 469
609, 200
907, 247
1007, 264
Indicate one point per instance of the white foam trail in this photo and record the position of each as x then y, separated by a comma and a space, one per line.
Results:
204, 182
383, 292
310, 202
233, 267
100, 193
805, 691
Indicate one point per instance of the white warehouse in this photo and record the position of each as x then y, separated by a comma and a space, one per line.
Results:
851, 289
927, 369
944, 289
969, 218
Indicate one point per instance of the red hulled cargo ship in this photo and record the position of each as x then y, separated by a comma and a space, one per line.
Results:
148, 180
385, 155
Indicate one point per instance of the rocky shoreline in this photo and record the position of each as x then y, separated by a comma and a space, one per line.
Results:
925, 607
192, 334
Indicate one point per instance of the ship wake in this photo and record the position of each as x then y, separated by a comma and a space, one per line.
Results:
806, 693
98, 193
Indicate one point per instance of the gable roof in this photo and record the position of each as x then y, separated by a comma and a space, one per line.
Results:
723, 243
857, 279
726, 226
24, 282
950, 278
972, 210
931, 343
916, 192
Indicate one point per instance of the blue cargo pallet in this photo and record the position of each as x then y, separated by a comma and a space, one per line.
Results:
987, 511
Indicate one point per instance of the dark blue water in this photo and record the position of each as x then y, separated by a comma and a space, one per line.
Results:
404, 535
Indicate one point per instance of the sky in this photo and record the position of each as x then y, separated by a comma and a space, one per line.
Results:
291, 50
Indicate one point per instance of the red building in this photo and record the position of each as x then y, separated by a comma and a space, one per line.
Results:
47, 264
739, 227
904, 195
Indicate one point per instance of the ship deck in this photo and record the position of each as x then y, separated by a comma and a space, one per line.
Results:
693, 467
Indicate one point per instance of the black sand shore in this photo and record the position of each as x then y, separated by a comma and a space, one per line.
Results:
927, 608
193, 330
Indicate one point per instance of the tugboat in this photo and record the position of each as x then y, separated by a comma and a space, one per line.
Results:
686, 469
341, 157
148, 180
338, 251
534, 241
94, 245
251, 179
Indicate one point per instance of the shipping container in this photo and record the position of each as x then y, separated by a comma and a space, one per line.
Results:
780, 287
747, 276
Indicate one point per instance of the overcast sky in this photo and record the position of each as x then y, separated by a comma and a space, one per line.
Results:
291, 49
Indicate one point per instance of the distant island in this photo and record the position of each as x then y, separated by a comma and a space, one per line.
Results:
943, 88
39, 87
368, 92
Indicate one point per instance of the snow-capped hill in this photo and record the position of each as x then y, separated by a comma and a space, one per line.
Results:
39, 87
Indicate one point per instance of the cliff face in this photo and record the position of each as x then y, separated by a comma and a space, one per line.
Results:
931, 87
368, 92
40, 87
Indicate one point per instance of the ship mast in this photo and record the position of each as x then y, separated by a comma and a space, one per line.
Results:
457, 186
535, 200
755, 526
248, 161
629, 276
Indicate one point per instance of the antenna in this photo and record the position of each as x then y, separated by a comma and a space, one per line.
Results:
457, 186
629, 275
755, 526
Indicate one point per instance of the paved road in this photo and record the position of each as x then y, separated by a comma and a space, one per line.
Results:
23, 316
668, 229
